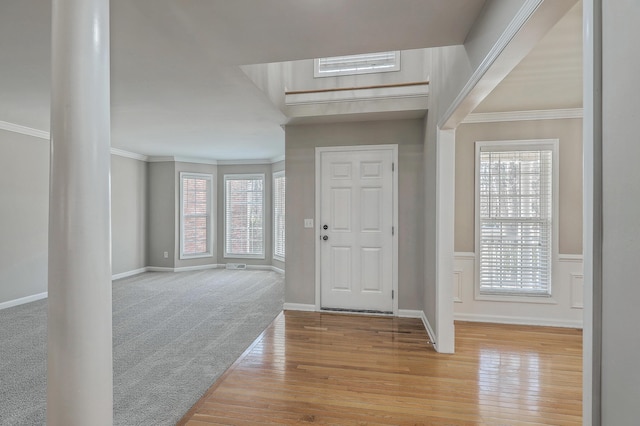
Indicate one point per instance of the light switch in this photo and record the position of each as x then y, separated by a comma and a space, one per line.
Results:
308, 223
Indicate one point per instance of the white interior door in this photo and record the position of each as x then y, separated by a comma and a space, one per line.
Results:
356, 230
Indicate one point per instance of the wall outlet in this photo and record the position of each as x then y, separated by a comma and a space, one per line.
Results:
308, 223
166, 255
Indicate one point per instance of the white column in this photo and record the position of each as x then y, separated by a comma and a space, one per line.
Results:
445, 230
80, 382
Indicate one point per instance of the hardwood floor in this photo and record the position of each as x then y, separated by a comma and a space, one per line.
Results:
354, 370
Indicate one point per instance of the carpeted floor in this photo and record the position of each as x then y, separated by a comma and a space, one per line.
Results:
174, 334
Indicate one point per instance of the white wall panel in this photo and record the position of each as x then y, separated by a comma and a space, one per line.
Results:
559, 310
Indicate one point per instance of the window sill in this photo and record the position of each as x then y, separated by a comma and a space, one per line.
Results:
278, 258
195, 256
244, 256
545, 300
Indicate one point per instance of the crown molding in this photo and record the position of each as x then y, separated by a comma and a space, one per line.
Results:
178, 159
549, 114
245, 162
24, 130
128, 154
373, 93
195, 160
41, 134
159, 159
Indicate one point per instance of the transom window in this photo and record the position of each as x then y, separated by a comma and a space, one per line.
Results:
514, 224
357, 64
195, 215
244, 215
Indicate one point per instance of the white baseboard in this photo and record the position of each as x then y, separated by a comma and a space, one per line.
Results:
159, 269
407, 313
23, 300
500, 319
430, 332
278, 270
299, 307
195, 268
265, 268
181, 269
128, 274
34, 297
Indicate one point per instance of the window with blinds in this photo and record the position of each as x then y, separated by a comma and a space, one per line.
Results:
279, 184
195, 215
244, 215
515, 223
357, 64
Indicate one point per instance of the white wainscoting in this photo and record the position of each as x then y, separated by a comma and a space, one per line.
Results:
563, 309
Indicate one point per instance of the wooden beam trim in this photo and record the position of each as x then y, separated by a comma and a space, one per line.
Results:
343, 89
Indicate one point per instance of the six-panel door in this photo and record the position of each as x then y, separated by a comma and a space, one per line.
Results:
356, 270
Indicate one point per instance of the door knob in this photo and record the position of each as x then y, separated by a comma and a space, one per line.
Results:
326, 237
325, 227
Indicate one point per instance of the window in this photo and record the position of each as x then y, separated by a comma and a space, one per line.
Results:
357, 64
244, 216
279, 183
195, 215
515, 210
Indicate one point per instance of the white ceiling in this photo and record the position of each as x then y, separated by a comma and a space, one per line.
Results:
176, 85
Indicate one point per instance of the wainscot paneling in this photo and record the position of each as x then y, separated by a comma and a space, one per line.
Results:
562, 309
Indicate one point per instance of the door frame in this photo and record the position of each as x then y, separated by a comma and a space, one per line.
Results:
318, 197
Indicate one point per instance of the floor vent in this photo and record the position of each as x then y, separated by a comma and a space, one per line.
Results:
236, 266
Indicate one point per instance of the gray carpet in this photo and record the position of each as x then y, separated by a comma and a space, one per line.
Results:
174, 334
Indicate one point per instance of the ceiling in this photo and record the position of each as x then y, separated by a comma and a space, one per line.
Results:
549, 77
176, 85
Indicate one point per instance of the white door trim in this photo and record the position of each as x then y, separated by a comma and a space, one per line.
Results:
319, 151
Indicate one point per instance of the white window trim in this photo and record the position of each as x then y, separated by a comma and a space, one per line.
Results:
209, 178
319, 74
514, 145
224, 214
276, 175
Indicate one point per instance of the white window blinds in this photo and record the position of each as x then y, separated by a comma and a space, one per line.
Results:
279, 184
244, 215
357, 64
195, 215
515, 220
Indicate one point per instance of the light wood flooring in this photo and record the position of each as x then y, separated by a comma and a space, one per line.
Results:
356, 370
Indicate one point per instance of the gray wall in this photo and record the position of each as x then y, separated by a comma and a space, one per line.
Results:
430, 164
301, 141
129, 187
621, 213
569, 132
24, 215
162, 212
